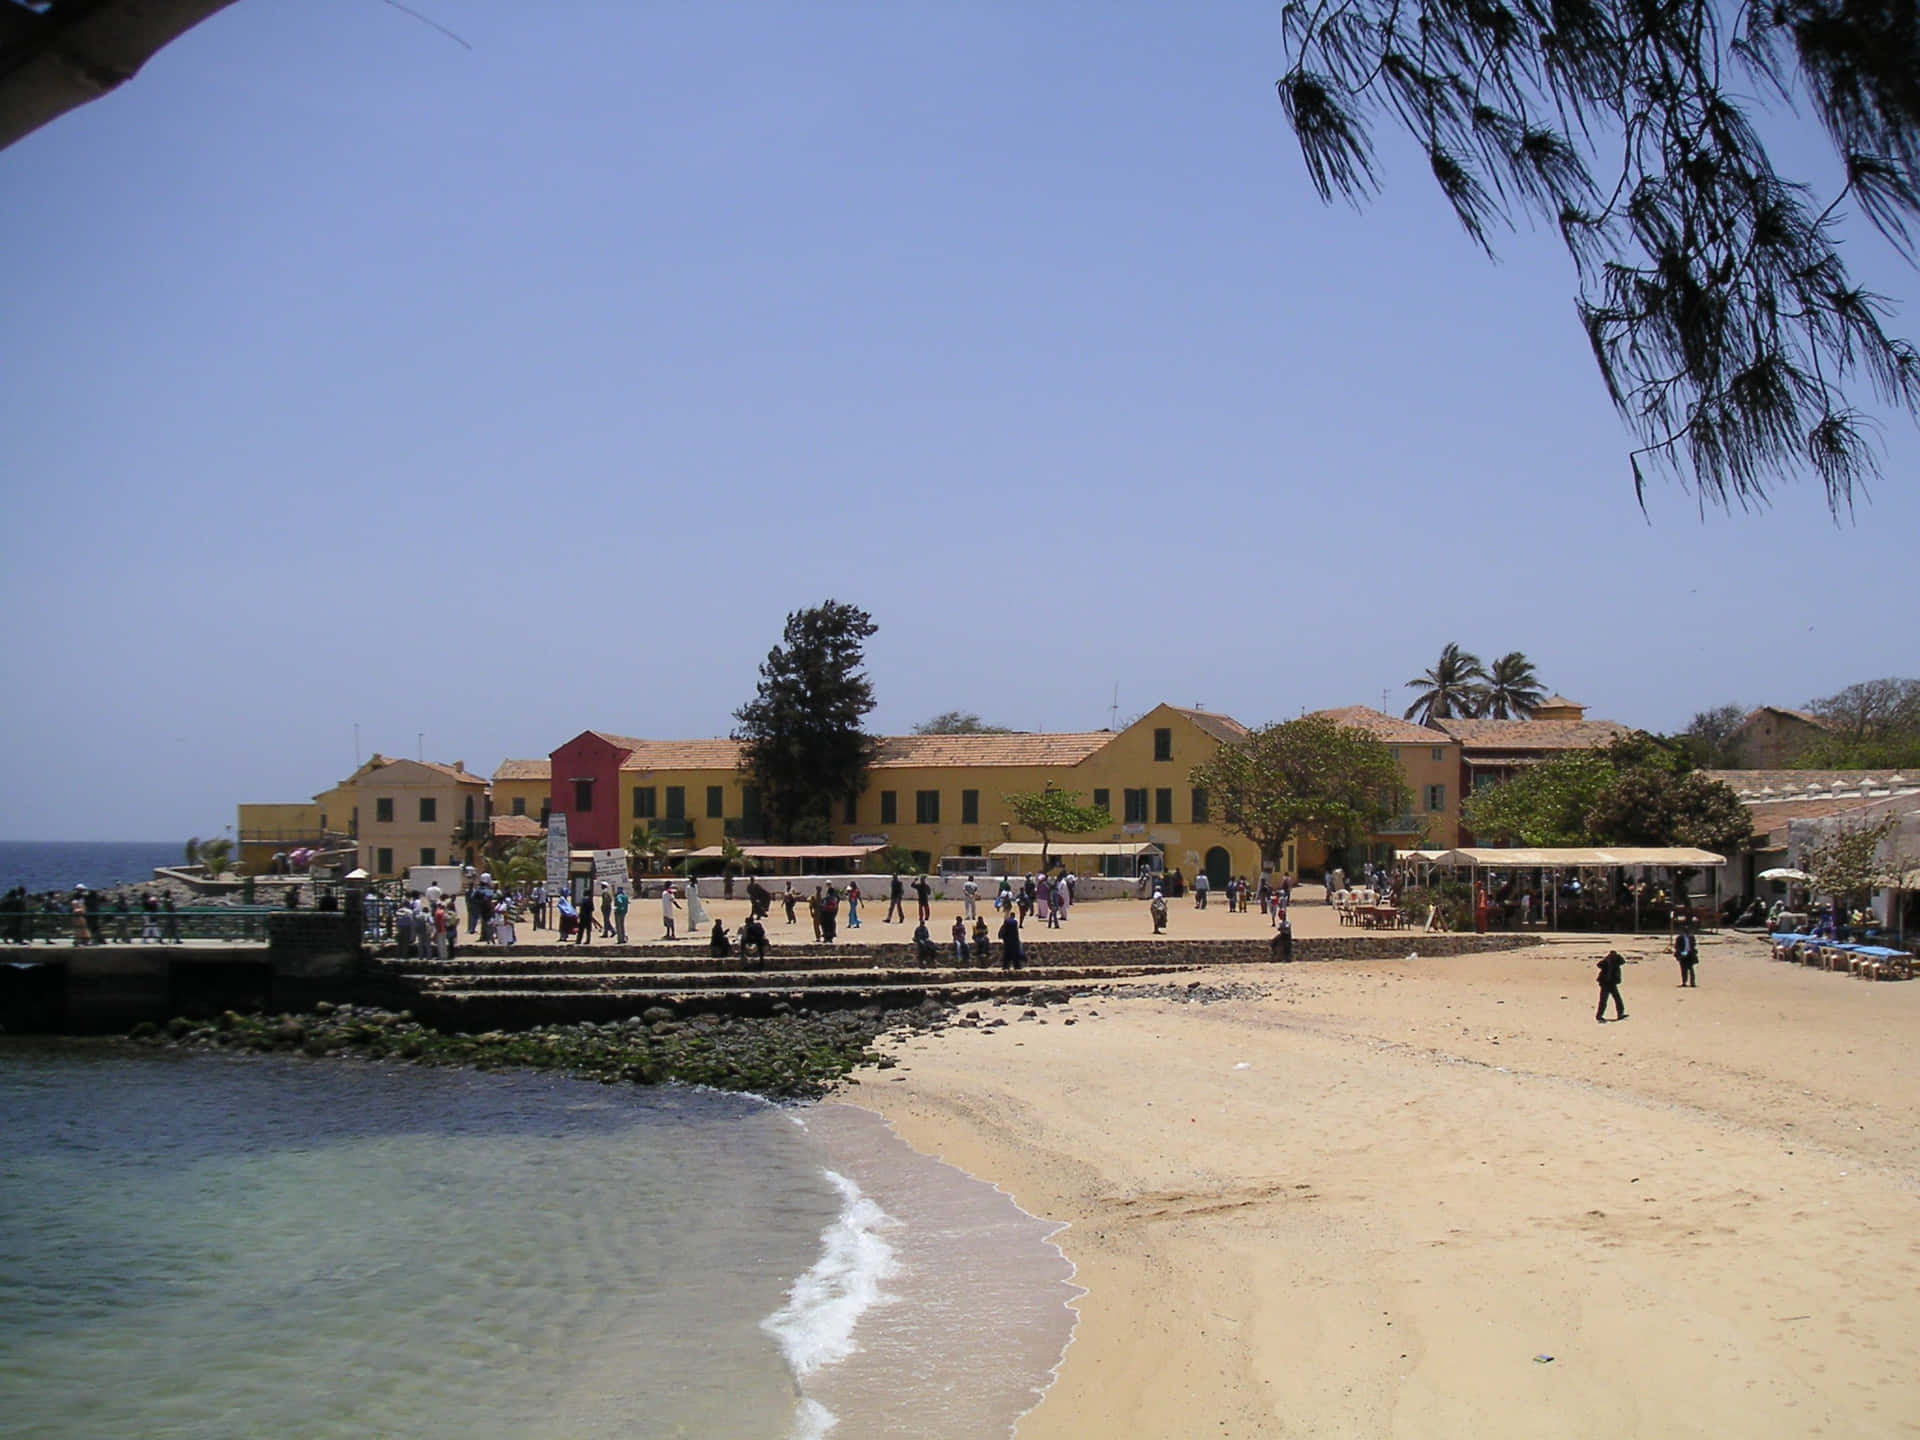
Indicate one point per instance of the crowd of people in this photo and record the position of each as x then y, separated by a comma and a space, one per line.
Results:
87, 917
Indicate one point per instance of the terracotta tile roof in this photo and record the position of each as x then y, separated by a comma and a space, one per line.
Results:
463, 776
1221, 727
900, 751
1382, 726
1557, 701
516, 827
1800, 715
1516, 736
1771, 817
524, 770
719, 754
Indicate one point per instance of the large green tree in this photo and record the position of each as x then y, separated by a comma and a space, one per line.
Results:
1709, 736
1875, 725
1051, 812
801, 735
1453, 687
1638, 791
1728, 330
1302, 776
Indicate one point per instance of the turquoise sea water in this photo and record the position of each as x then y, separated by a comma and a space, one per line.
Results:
208, 1246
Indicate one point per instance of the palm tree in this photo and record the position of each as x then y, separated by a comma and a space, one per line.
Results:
1450, 689
525, 863
1513, 691
648, 848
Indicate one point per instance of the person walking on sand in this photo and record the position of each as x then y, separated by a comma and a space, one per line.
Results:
667, 906
606, 908
853, 905
970, 897
1157, 907
923, 893
1687, 951
788, 901
896, 900
1608, 974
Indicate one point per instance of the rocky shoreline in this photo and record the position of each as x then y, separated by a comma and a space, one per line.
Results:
792, 1054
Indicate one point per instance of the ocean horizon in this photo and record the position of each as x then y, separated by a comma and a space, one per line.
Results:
43, 865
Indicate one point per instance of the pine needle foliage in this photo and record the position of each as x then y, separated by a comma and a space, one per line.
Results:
801, 737
1728, 331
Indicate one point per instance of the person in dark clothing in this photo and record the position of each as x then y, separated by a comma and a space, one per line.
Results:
896, 896
753, 939
921, 892
923, 946
1011, 956
1609, 971
718, 946
1282, 942
830, 915
1687, 951
171, 911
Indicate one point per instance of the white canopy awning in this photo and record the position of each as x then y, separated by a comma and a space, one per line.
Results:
1572, 857
1013, 848
790, 852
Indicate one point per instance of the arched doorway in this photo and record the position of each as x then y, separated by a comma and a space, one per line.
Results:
1219, 867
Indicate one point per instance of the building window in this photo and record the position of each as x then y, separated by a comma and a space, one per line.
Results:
1103, 800
426, 855
582, 796
1163, 807
519, 804
889, 807
1163, 744
383, 810
676, 802
716, 801
851, 815
926, 807
1436, 797
469, 809
645, 802
1199, 806
969, 807
1439, 752
1136, 803
546, 808
750, 808
383, 860
969, 851
428, 814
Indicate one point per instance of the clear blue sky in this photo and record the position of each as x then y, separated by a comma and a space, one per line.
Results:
349, 375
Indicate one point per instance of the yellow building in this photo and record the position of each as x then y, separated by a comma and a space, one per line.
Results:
414, 812
523, 787
936, 795
1429, 762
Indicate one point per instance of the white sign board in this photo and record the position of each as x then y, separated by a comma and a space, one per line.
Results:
557, 852
610, 866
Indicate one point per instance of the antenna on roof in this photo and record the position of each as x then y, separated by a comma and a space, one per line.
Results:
356, 744
1113, 710
1384, 701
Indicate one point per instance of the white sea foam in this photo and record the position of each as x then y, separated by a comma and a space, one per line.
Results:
815, 1327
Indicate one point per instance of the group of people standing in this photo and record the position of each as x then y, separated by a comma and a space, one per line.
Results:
87, 917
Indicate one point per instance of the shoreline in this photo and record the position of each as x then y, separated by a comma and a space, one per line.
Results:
1366, 1202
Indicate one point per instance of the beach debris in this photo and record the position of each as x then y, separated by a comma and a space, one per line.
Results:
1543, 1359
1242, 1065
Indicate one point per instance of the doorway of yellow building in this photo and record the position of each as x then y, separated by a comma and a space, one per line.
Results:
1219, 867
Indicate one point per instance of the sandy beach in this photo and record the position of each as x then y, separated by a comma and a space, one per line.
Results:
1368, 1199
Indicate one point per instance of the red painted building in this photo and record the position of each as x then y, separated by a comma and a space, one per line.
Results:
586, 789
